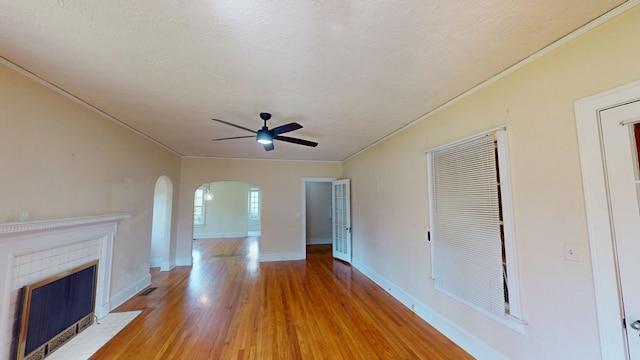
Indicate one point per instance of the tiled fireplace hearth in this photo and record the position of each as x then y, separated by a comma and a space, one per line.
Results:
34, 250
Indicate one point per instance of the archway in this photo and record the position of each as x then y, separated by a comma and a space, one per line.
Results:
224, 209
161, 225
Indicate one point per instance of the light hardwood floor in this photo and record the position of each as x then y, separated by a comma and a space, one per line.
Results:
229, 306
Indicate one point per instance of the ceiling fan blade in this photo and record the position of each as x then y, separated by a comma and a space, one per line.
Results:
234, 137
269, 146
286, 128
235, 126
296, 141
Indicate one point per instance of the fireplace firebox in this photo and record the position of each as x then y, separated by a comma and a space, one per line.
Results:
54, 310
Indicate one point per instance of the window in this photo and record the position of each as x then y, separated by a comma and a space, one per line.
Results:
198, 207
473, 247
254, 204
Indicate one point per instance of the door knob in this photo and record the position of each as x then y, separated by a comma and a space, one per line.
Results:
635, 325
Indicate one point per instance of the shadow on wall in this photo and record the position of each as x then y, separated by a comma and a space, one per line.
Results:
225, 209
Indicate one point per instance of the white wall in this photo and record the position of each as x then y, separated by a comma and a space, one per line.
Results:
389, 194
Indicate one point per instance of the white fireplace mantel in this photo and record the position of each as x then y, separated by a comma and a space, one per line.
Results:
9, 230
19, 239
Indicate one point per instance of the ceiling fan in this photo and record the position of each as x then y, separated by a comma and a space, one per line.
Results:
266, 137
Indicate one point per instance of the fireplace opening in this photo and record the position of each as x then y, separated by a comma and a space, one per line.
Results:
54, 310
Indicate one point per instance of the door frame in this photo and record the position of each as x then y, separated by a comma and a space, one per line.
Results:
304, 208
603, 259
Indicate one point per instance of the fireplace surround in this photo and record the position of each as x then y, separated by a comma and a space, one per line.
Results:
35, 250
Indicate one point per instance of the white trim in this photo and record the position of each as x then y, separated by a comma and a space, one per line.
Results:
319, 241
513, 278
457, 334
468, 138
184, 261
167, 265
282, 257
630, 121
605, 279
254, 233
260, 159
430, 195
304, 208
26, 227
155, 262
130, 291
542, 52
512, 322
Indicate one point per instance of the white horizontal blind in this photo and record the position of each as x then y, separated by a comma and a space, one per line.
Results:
466, 241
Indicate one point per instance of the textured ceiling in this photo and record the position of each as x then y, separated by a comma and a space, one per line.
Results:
351, 72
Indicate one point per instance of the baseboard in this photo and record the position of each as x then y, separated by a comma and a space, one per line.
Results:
155, 262
167, 265
186, 261
219, 235
281, 257
319, 241
458, 335
129, 292
254, 233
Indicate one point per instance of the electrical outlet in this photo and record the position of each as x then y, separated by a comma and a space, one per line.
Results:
571, 252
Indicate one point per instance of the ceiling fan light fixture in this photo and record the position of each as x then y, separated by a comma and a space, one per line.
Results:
264, 137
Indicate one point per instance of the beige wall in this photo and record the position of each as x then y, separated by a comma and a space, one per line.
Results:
281, 186
60, 160
227, 214
389, 196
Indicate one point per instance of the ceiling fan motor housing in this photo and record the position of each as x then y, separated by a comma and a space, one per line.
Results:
265, 116
264, 136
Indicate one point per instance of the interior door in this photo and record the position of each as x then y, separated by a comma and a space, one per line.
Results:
341, 205
621, 135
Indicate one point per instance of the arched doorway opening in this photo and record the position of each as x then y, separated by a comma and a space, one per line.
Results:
161, 225
224, 209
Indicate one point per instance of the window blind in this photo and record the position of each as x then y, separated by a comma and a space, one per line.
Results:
466, 236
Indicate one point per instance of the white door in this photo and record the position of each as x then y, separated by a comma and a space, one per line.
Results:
341, 204
621, 159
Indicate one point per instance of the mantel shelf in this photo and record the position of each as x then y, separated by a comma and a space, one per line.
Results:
14, 228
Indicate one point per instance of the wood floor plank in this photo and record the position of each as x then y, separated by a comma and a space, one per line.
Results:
229, 306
